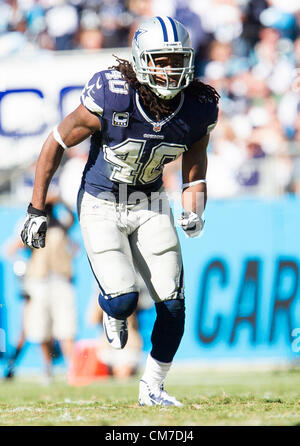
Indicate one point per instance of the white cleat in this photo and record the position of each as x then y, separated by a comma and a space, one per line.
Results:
116, 331
160, 397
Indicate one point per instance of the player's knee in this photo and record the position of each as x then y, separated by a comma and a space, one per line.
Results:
119, 307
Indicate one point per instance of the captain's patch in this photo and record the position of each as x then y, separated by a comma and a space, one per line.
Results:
120, 119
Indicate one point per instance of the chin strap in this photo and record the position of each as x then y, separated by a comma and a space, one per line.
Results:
170, 94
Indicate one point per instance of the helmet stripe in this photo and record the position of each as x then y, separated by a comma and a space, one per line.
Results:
164, 28
174, 29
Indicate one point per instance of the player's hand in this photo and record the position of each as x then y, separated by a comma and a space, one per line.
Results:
191, 223
35, 226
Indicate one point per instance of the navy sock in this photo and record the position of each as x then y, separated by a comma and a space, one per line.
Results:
168, 329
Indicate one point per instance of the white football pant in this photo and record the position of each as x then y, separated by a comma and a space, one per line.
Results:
120, 237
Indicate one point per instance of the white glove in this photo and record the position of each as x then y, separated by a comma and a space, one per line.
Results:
191, 223
35, 226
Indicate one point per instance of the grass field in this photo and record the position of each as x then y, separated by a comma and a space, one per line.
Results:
211, 398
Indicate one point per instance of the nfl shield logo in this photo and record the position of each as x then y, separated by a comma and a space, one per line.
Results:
156, 127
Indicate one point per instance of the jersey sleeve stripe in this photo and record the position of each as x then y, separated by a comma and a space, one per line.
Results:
91, 105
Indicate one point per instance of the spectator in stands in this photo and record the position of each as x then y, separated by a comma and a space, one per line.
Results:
50, 312
19, 267
115, 23
62, 24
90, 36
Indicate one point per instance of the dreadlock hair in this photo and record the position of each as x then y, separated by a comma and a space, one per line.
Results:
157, 108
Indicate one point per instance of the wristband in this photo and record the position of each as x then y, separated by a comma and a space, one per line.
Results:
58, 138
192, 183
34, 211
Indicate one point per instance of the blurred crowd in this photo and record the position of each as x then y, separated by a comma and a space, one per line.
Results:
249, 50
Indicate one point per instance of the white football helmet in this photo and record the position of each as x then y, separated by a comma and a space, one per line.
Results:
162, 36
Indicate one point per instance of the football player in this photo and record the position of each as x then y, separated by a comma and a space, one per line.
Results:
140, 115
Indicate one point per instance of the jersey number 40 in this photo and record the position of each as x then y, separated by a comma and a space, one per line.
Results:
128, 165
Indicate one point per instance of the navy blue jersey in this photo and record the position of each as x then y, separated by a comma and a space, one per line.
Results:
131, 148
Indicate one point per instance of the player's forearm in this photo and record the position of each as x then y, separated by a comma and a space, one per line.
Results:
194, 167
194, 198
47, 164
